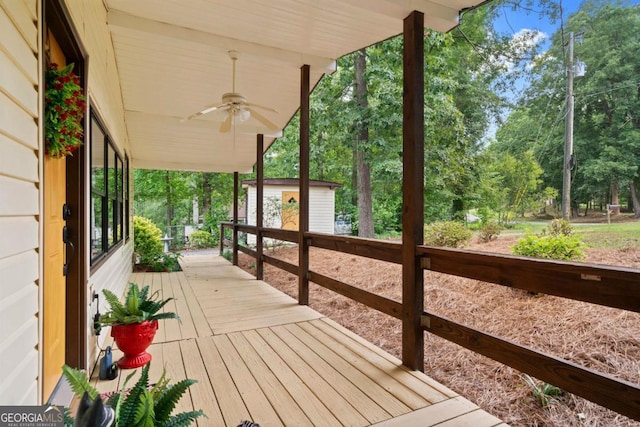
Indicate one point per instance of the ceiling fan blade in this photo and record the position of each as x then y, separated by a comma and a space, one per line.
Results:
262, 107
207, 109
226, 125
262, 119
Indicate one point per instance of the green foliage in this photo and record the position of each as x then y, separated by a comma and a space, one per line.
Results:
544, 393
166, 262
489, 231
557, 241
79, 382
146, 240
226, 254
560, 247
559, 227
201, 239
142, 405
137, 307
449, 234
149, 248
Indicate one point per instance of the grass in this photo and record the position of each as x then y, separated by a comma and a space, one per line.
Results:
618, 235
611, 236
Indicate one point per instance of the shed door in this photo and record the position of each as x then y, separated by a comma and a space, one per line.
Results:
290, 210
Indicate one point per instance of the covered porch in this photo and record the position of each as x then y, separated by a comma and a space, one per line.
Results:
258, 355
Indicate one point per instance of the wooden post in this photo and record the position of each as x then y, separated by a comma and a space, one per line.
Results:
413, 191
234, 257
303, 221
221, 251
259, 204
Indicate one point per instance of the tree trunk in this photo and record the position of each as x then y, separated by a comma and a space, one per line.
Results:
319, 159
634, 199
168, 198
615, 198
204, 204
365, 210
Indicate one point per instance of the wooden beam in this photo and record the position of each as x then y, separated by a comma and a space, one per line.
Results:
259, 204
119, 21
303, 210
369, 248
280, 234
618, 395
413, 191
377, 302
236, 183
282, 265
598, 284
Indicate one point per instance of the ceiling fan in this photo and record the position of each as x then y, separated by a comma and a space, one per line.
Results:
236, 106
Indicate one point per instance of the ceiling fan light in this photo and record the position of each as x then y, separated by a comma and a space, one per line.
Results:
243, 115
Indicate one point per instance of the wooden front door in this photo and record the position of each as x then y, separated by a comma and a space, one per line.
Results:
290, 210
54, 282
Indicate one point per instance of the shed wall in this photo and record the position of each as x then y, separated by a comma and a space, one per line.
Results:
321, 208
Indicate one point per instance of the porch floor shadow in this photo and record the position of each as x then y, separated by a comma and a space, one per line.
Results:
258, 355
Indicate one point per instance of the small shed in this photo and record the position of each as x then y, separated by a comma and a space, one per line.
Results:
280, 204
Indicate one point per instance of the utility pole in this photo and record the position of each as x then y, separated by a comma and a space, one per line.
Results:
568, 138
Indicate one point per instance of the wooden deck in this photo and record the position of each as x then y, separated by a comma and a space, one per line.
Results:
258, 355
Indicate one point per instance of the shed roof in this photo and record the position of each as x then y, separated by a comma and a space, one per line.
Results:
172, 60
291, 182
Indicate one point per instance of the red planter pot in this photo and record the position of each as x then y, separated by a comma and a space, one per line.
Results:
133, 340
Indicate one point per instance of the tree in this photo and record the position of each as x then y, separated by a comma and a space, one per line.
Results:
607, 102
365, 213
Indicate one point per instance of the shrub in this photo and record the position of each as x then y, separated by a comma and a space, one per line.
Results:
558, 227
489, 231
201, 239
561, 247
146, 240
557, 241
149, 248
449, 234
166, 262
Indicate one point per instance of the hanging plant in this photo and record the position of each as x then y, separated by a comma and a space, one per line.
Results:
63, 111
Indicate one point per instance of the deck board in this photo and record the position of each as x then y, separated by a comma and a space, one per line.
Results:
258, 355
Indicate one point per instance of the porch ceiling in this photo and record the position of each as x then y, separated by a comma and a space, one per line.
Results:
172, 58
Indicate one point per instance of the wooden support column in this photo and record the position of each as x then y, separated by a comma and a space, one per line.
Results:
259, 204
234, 257
413, 191
303, 209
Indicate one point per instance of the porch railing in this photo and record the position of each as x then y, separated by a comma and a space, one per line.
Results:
615, 287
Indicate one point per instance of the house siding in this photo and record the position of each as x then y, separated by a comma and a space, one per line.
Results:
90, 21
19, 202
321, 208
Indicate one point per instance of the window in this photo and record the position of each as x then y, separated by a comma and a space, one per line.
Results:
109, 196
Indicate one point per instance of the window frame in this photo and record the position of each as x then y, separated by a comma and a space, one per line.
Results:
112, 195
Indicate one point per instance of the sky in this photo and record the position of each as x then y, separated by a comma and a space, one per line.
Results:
513, 22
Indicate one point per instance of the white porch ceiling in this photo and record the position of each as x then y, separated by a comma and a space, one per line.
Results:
172, 58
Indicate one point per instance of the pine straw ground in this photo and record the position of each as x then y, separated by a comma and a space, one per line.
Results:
600, 338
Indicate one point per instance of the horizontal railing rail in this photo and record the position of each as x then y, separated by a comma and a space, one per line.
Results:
616, 287
613, 393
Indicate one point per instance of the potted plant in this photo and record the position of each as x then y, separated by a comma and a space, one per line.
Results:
134, 323
142, 405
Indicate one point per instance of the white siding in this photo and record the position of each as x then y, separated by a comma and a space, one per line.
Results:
90, 19
113, 275
19, 203
321, 208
